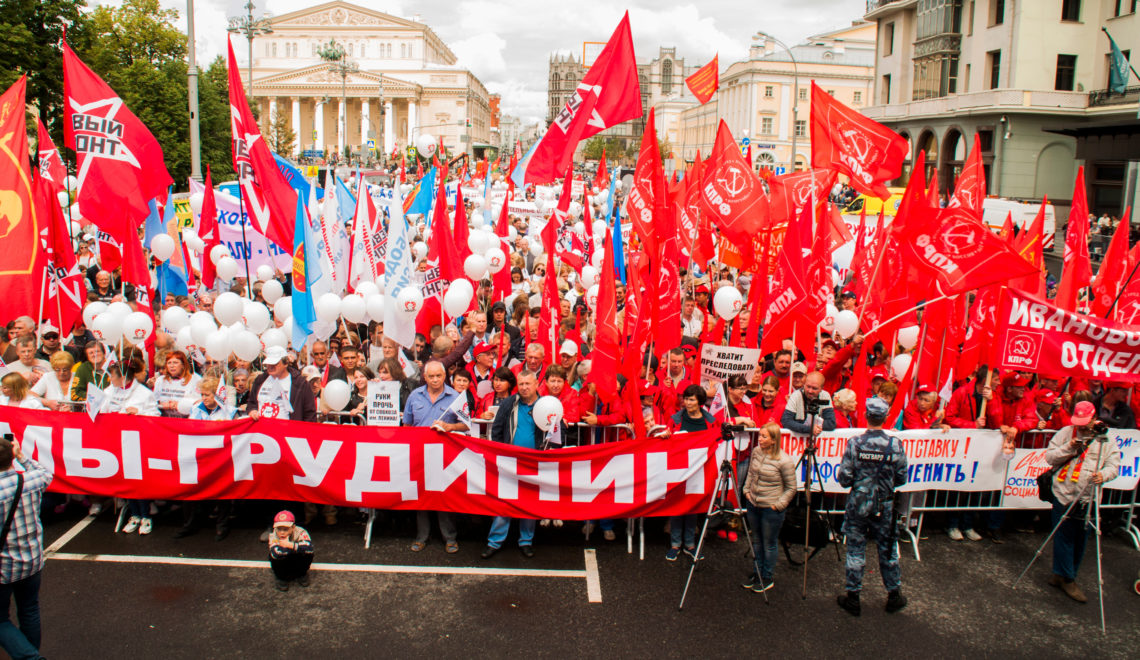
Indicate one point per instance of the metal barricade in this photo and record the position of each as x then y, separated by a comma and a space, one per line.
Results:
341, 417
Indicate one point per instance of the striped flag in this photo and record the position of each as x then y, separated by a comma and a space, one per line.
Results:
705, 81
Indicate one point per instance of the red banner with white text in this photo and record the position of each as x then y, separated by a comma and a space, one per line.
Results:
1036, 335
376, 467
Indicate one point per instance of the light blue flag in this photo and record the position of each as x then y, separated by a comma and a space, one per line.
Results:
306, 271
425, 195
610, 199
486, 198
345, 202
519, 175
157, 218
296, 179
1117, 67
619, 245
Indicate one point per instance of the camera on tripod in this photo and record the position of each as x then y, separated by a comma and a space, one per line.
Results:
812, 406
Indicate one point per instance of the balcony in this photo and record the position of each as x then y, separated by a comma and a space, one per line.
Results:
993, 100
872, 5
1103, 97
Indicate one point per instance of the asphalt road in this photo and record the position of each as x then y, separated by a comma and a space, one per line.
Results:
388, 601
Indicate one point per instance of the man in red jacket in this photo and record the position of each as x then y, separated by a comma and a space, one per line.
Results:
1019, 411
673, 379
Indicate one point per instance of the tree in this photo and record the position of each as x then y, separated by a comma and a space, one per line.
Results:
31, 31
214, 120
665, 148
281, 135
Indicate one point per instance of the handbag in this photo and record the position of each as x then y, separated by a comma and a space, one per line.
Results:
1045, 482
12, 510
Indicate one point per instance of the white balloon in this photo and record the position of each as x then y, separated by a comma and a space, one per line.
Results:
271, 291
828, 322
274, 337
846, 323
589, 276
420, 249
512, 233
575, 210
601, 196
283, 308
91, 311
365, 289
496, 260
727, 302
536, 246
580, 228
184, 340
477, 241
217, 252
598, 257
227, 268
76, 229
328, 307
72, 182
174, 319
217, 345
374, 304
162, 247
465, 286
547, 412
255, 316
592, 297
228, 308
617, 184
196, 200
456, 301
899, 364
353, 308
107, 328
265, 272
908, 336
246, 345
600, 227
336, 394
426, 145
63, 198
183, 406
137, 327
201, 328
119, 310
409, 301
381, 283
287, 329
193, 241
475, 266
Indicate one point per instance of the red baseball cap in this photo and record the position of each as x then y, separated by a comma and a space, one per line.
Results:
829, 342
284, 519
689, 349
879, 372
1014, 379
1046, 396
926, 387
1083, 413
702, 289
482, 347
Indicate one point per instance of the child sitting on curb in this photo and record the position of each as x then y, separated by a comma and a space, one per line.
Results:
290, 552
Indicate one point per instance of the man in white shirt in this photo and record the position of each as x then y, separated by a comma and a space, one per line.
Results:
27, 364
691, 318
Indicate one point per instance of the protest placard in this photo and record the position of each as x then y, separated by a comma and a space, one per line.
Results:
720, 362
383, 405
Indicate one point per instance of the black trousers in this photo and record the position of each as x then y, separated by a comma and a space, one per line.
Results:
291, 566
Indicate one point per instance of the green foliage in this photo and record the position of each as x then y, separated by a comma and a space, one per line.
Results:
214, 120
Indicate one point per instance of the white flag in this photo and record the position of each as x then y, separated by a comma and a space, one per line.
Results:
398, 270
947, 390
95, 400
461, 408
718, 403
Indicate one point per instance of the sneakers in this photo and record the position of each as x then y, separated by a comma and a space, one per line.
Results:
145, 526
527, 551
996, 536
895, 601
1073, 591
672, 553
545, 522
849, 602
609, 535
692, 553
303, 581
954, 533
95, 509
972, 535
763, 585
132, 525
750, 582
489, 552
280, 585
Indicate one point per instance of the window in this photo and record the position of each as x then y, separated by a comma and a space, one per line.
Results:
1121, 7
831, 93
970, 20
1066, 72
769, 91
275, 49
803, 93
666, 76
966, 80
857, 98
889, 39
997, 12
350, 49
403, 51
801, 128
766, 126
1071, 10
362, 50
885, 90
993, 58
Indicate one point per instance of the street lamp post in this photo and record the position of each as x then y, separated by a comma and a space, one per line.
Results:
192, 93
795, 91
335, 55
250, 27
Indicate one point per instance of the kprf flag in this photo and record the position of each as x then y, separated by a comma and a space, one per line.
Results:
398, 325
705, 81
1114, 269
462, 409
1076, 271
51, 165
365, 264
66, 293
268, 197
306, 272
731, 193
970, 191
22, 257
606, 356
95, 400
119, 164
607, 95
209, 232
848, 142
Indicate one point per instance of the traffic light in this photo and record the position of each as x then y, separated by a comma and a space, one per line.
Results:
468, 123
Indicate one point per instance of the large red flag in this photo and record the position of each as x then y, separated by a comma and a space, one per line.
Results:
790, 299
648, 181
502, 279
551, 319
1077, 268
970, 191
605, 359
66, 294
22, 260
705, 81
601, 177
844, 140
607, 95
731, 193
462, 229
1114, 268
1030, 245
51, 167
269, 200
119, 163
791, 192
441, 243
1127, 308
209, 231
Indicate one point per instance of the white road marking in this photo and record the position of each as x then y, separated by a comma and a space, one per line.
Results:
593, 581
69, 534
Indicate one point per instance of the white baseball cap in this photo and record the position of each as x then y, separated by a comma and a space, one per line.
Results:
568, 348
274, 354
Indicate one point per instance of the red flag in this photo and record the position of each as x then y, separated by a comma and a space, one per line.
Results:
844, 140
1114, 268
1029, 244
608, 95
602, 176
1077, 268
837, 232
705, 81
51, 167
209, 231
481, 170
605, 358
731, 193
269, 200
979, 334
903, 394
942, 321
1006, 233
758, 294
462, 228
648, 181
502, 279
551, 319
1128, 306
22, 260
787, 312
441, 243
688, 211
970, 191
66, 294
403, 170
790, 192
119, 163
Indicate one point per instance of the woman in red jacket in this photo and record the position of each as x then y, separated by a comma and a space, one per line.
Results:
922, 411
502, 384
770, 404
843, 402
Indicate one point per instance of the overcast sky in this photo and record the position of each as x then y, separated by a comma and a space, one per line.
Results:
507, 43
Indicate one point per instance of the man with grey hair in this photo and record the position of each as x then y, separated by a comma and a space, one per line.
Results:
26, 364
514, 425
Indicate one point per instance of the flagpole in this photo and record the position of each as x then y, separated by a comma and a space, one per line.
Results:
1120, 293
920, 305
43, 286
244, 245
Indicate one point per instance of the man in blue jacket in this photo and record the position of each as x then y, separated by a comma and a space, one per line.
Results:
514, 424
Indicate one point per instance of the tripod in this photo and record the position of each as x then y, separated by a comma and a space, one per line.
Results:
725, 483
1092, 514
811, 471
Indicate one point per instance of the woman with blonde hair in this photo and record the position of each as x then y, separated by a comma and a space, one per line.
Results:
53, 391
14, 388
769, 489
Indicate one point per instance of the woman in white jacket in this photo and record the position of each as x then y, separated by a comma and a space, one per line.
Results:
176, 384
127, 395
